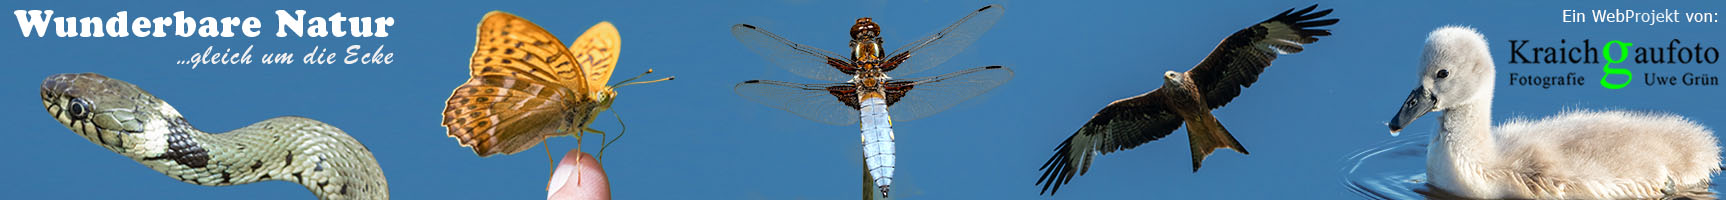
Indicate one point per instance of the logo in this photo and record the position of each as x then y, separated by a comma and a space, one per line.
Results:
1606, 53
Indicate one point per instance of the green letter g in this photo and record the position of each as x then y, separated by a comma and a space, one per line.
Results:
1623, 52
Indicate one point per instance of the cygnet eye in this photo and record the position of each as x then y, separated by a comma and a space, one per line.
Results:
1443, 73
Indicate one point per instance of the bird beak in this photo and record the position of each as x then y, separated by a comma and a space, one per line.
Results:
1419, 103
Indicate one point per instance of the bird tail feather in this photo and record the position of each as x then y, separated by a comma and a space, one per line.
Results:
1206, 135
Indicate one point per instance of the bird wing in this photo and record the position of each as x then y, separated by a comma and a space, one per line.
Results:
1122, 125
1237, 60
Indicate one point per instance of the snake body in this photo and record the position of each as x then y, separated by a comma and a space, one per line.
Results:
127, 120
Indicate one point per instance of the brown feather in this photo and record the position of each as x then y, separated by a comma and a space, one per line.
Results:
1238, 60
1122, 125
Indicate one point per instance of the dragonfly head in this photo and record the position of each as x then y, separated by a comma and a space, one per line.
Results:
866, 40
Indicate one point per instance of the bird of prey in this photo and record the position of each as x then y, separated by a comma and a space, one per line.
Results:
1187, 97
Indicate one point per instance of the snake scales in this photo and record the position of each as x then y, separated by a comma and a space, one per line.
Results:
125, 119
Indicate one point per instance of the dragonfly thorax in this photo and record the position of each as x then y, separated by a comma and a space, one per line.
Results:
870, 77
866, 43
870, 85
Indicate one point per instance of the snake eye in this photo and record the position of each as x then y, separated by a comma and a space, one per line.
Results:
79, 109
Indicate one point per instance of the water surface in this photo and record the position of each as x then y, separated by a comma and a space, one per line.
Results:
1396, 169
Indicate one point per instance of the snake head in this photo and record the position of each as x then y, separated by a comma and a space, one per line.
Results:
106, 111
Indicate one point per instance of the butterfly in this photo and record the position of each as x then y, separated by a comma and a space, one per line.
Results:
526, 86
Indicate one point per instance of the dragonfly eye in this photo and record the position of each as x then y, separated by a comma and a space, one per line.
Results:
864, 29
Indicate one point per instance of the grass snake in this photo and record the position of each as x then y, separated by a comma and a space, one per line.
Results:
127, 120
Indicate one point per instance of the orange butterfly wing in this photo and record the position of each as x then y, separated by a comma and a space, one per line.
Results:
596, 51
522, 86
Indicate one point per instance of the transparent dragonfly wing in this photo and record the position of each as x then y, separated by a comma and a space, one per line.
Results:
932, 50
929, 95
803, 60
810, 101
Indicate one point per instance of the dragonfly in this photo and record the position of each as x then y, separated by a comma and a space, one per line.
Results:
865, 90
526, 86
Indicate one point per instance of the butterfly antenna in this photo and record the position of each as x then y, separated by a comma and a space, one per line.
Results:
649, 71
623, 129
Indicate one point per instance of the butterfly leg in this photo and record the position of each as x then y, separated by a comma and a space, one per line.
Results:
623, 128
553, 164
601, 139
578, 158
578, 143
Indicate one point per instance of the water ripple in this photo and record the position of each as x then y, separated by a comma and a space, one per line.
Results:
1393, 169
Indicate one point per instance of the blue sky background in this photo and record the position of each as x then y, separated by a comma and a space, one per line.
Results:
694, 138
